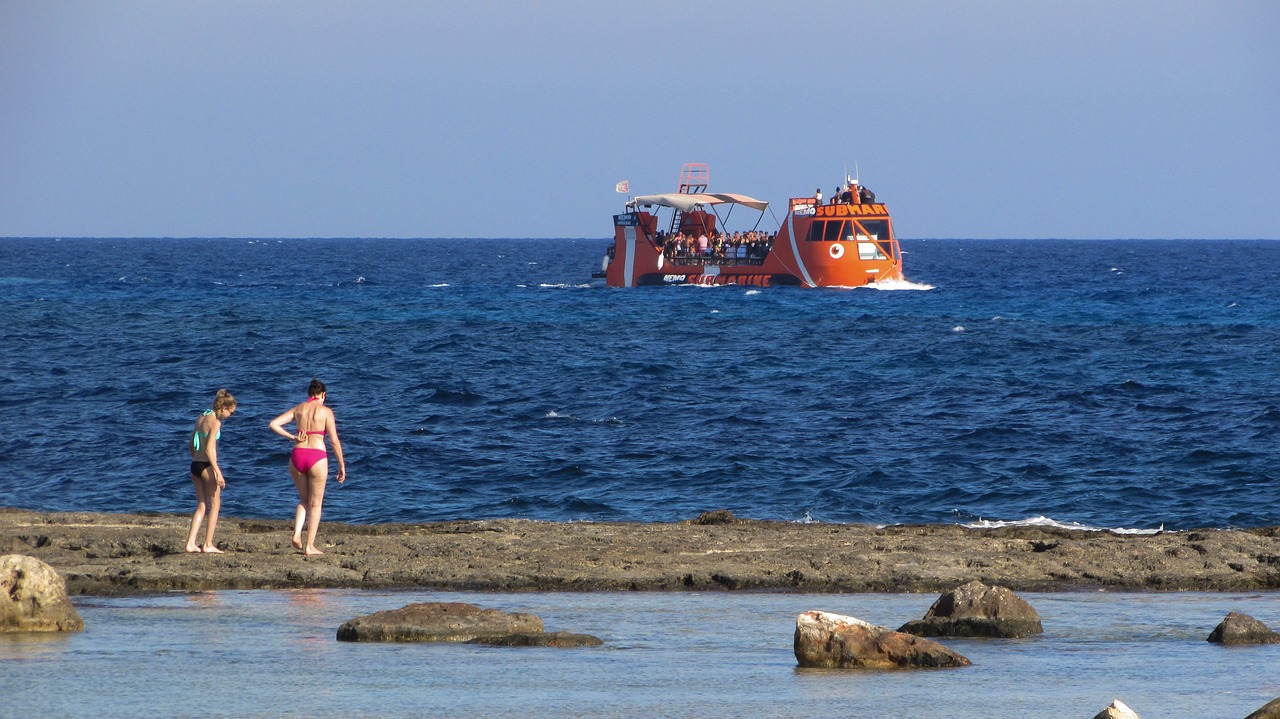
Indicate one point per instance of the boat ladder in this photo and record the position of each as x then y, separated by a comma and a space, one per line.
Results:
693, 180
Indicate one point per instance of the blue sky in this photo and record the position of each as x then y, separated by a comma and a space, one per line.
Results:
1028, 118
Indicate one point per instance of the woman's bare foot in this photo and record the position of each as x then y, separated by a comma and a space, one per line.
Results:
312, 551
210, 549
191, 548
297, 543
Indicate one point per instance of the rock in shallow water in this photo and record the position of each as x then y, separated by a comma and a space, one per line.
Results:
830, 640
1117, 710
1270, 711
976, 610
1242, 629
458, 622
436, 622
559, 640
33, 597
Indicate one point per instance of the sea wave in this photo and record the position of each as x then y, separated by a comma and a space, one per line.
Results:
892, 285
1047, 522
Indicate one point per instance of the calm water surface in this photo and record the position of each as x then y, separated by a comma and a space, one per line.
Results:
273, 654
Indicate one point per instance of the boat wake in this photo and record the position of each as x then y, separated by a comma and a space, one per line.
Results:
897, 285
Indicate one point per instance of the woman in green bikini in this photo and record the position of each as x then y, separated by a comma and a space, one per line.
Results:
205, 472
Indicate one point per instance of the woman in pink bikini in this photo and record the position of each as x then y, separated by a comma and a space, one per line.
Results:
309, 462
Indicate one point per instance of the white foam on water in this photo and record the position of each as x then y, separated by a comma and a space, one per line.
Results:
1043, 521
898, 285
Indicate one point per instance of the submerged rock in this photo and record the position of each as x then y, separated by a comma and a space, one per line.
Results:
976, 610
33, 597
458, 622
830, 640
1242, 629
1117, 710
540, 639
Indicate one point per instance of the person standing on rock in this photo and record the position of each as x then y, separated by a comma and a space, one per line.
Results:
309, 461
205, 472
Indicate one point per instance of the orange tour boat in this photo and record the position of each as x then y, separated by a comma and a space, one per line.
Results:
845, 241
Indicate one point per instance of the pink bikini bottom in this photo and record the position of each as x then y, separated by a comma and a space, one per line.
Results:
304, 458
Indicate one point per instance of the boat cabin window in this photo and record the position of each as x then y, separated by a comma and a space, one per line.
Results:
849, 230
870, 251
875, 229
829, 230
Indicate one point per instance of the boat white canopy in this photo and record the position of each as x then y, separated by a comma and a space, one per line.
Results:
685, 202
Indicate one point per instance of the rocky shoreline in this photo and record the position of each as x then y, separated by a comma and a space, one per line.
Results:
114, 554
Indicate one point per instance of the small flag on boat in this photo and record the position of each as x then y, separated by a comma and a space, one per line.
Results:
624, 187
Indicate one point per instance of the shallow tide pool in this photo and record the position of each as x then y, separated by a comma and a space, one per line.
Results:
274, 653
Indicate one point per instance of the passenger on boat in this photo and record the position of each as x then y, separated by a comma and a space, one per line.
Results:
738, 246
865, 195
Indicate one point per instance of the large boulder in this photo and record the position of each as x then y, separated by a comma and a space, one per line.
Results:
458, 622
33, 597
1270, 711
976, 610
1117, 710
1242, 629
834, 641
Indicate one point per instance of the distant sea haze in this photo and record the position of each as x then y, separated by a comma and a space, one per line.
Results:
1104, 384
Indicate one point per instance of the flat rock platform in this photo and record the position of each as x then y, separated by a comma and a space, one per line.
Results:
113, 554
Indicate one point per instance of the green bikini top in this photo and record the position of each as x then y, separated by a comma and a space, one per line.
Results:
195, 438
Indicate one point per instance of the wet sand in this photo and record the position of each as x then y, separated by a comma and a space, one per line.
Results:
112, 554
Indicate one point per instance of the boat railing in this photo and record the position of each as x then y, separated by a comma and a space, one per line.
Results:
699, 258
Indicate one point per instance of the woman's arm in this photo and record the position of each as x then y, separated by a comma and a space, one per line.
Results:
277, 425
331, 427
211, 450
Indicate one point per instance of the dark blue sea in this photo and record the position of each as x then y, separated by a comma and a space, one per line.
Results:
1108, 384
